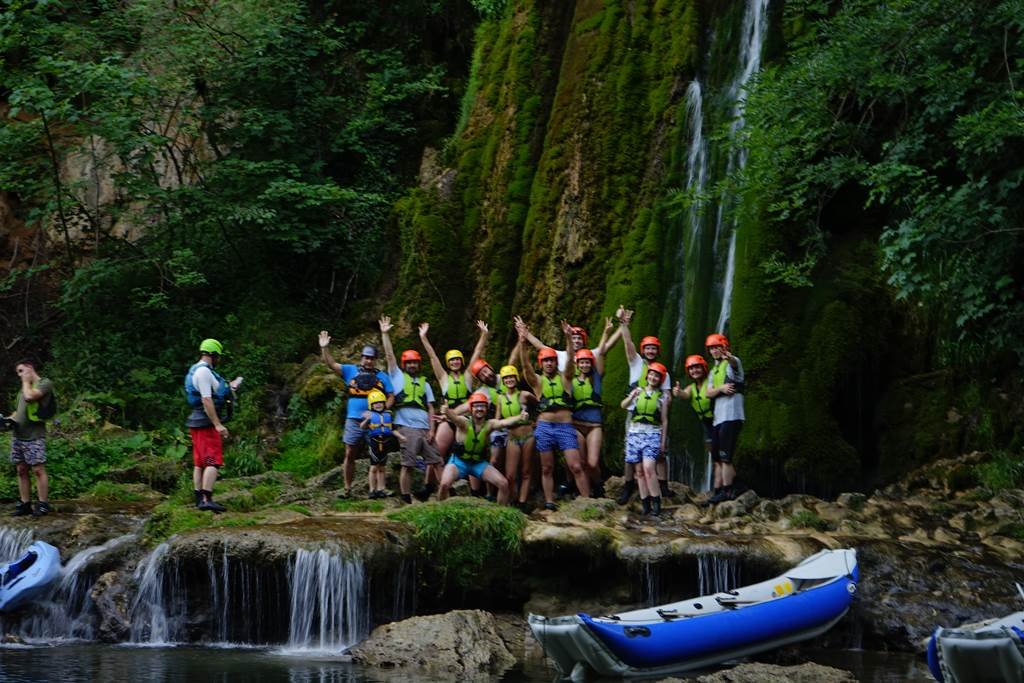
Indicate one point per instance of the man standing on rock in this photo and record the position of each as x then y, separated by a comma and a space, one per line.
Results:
359, 380
210, 396
414, 416
725, 386
28, 447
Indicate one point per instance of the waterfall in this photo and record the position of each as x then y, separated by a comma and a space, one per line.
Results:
157, 616
716, 574
67, 614
652, 583
754, 29
329, 609
13, 542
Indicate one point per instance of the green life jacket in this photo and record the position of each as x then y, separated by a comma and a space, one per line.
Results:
476, 444
43, 409
648, 409
553, 395
413, 393
642, 381
718, 373
456, 392
584, 393
510, 406
699, 400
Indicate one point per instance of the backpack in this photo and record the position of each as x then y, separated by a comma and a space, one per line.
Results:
47, 408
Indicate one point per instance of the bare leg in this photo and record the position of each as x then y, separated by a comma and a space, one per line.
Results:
350, 465
728, 473
595, 438
405, 481
512, 452
716, 468
42, 483
547, 475
650, 469
433, 474
493, 477
629, 471
443, 438
24, 483
527, 471
642, 485
197, 478
572, 461
209, 479
497, 462
448, 477
662, 468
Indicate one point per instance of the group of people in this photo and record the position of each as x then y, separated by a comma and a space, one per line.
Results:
491, 426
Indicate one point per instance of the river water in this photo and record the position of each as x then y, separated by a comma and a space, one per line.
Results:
81, 662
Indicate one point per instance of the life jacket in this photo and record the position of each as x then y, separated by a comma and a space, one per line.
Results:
720, 377
553, 395
586, 390
42, 410
380, 424
699, 400
475, 446
642, 381
648, 408
413, 393
510, 406
221, 392
456, 393
363, 383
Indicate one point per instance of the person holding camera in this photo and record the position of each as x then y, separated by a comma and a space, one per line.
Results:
28, 447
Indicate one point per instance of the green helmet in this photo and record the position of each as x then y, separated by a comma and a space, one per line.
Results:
211, 346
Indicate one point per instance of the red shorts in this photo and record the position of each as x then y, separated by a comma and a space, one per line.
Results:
207, 447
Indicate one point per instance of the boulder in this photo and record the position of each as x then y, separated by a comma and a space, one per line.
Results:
755, 672
463, 643
112, 603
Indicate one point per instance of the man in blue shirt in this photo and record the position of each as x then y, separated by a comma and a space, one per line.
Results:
359, 380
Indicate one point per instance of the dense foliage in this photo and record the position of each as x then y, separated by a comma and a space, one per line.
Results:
908, 115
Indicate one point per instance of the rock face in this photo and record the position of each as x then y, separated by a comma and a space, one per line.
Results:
112, 601
464, 643
773, 673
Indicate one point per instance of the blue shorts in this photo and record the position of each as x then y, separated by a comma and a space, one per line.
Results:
469, 469
588, 414
642, 445
555, 436
353, 436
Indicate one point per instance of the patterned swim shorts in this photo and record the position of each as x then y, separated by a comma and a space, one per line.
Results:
31, 452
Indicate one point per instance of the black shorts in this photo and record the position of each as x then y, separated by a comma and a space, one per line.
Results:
724, 443
380, 447
709, 432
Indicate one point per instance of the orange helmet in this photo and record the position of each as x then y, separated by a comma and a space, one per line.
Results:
658, 368
411, 354
647, 341
576, 329
478, 365
546, 352
478, 397
696, 360
585, 353
716, 340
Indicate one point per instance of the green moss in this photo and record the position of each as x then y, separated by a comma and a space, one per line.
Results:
465, 541
1004, 471
807, 519
109, 491
359, 505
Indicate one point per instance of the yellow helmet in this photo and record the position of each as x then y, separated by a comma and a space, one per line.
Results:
454, 353
508, 371
376, 396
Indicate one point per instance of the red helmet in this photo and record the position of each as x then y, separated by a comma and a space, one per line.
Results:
716, 340
546, 352
585, 353
647, 341
411, 354
478, 365
658, 368
478, 397
696, 360
576, 329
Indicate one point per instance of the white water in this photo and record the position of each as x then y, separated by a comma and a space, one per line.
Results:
696, 176
13, 542
716, 574
754, 29
156, 618
329, 607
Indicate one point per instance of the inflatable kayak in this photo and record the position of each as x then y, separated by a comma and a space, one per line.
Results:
29, 577
991, 652
802, 603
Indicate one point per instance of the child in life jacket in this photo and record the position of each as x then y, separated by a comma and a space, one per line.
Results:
381, 440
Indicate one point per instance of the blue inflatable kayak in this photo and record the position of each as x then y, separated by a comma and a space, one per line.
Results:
802, 603
987, 652
29, 577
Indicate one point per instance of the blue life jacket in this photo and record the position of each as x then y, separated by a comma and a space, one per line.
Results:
220, 394
380, 424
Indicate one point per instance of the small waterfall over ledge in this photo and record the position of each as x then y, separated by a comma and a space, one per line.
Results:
329, 609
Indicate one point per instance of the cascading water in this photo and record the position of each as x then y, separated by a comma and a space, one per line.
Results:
329, 609
13, 542
157, 616
717, 573
754, 30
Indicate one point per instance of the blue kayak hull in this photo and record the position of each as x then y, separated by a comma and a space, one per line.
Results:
30, 577
672, 642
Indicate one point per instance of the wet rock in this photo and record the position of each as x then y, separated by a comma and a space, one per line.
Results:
852, 501
773, 673
768, 511
112, 604
463, 643
160, 474
687, 512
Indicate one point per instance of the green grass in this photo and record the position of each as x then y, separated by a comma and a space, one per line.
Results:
1004, 471
111, 492
359, 506
592, 513
806, 519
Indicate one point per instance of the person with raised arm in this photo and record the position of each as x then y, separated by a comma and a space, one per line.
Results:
519, 442
554, 423
359, 380
638, 364
696, 392
646, 433
587, 412
414, 414
576, 339
725, 386
469, 456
